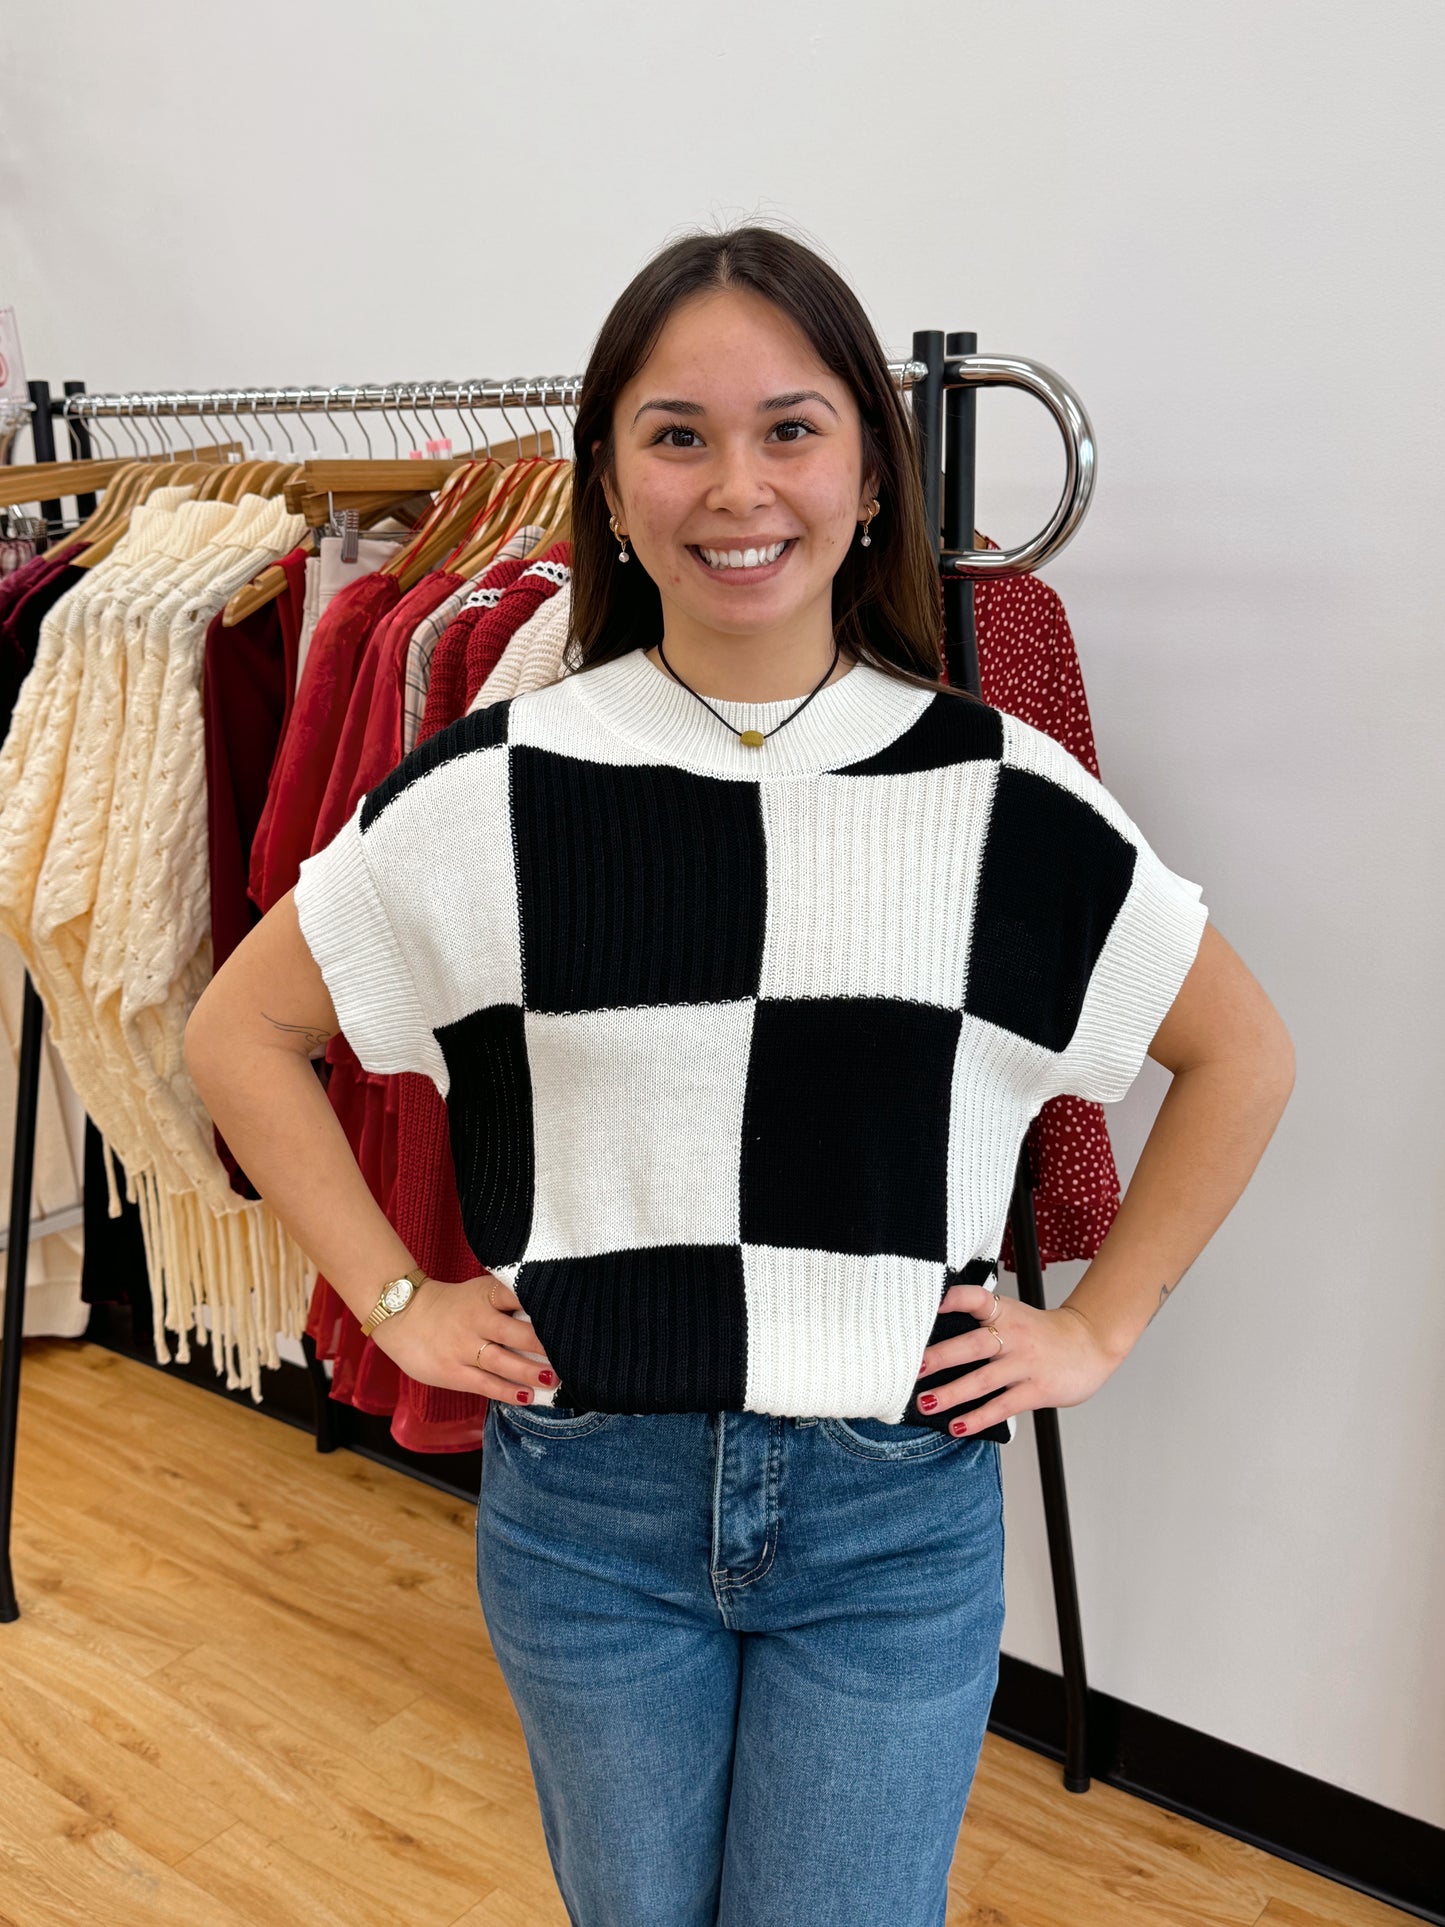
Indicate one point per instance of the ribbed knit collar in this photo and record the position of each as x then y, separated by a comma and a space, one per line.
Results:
859, 714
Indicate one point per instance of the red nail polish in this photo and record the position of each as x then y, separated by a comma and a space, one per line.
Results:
524, 1397
927, 1402
958, 1426
548, 1378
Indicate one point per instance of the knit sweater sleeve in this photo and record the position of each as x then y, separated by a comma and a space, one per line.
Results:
410, 910
345, 921
1111, 925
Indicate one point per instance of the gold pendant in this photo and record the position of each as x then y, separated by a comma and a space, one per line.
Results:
754, 738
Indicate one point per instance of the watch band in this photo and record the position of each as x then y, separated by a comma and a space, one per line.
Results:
381, 1310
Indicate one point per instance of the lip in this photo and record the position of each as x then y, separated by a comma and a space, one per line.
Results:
737, 578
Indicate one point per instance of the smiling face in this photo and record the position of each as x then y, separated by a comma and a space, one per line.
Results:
738, 476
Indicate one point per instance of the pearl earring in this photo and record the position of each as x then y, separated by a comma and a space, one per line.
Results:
873, 507
623, 556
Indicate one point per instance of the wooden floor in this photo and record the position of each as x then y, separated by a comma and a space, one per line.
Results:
205, 1721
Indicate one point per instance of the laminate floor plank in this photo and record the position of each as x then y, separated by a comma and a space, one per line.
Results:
252, 1684
61, 1865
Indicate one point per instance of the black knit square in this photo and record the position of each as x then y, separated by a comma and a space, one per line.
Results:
662, 1329
489, 1117
1054, 877
845, 1125
637, 884
952, 729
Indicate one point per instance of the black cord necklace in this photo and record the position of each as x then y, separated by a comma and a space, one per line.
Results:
754, 738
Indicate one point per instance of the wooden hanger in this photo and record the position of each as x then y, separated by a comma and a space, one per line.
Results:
110, 522
484, 537
457, 509
47, 481
271, 582
554, 514
528, 488
322, 485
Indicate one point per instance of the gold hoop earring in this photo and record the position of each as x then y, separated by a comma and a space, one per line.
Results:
873, 508
623, 556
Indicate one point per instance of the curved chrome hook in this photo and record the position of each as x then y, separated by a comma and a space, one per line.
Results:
1080, 462
418, 426
283, 434
327, 407
152, 413
123, 415
536, 432
502, 387
303, 405
387, 422
203, 403
75, 405
355, 394
478, 421
431, 402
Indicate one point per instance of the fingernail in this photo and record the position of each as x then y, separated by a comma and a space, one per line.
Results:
548, 1378
524, 1397
958, 1426
927, 1402
923, 1369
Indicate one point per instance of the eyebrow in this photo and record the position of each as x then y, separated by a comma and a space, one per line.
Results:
789, 400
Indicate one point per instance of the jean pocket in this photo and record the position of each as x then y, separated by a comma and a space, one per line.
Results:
874, 1438
552, 1421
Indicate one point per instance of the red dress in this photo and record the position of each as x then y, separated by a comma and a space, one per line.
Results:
397, 1126
248, 676
1028, 666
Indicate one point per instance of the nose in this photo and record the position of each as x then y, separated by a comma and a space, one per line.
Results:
737, 484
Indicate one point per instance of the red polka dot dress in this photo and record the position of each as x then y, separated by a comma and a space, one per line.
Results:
1029, 667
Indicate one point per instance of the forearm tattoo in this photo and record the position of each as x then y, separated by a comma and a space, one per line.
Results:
314, 1038
1164, 1292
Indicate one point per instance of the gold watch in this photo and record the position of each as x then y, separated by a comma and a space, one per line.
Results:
396, 1297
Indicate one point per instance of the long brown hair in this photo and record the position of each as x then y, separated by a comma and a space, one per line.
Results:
886, 598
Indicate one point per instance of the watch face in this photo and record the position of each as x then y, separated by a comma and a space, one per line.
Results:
397, 1295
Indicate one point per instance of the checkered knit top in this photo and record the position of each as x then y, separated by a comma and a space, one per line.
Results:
739, 1045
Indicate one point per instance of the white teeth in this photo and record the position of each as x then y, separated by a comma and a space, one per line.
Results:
742, 558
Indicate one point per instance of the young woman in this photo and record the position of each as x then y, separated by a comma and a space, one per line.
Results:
744, 955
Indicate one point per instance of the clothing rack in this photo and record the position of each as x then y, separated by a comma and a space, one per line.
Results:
942, 378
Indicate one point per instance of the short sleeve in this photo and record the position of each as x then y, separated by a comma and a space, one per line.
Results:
1103, 931
1146, 956
348, 931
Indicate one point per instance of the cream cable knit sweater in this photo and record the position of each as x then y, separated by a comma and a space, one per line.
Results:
104, 885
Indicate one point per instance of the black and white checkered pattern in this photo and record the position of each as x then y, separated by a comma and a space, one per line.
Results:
738, 1066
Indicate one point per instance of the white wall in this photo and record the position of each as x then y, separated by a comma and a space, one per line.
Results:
1217, 223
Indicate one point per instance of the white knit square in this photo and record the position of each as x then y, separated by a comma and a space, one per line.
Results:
444, 846
836, 1335
638, 1117
1150, 948
996, 1080
871, 882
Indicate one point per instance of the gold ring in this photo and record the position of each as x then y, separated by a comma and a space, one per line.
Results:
481, 1348
997, 1308
997, 1334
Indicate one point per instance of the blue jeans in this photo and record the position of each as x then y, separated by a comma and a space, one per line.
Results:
753, 1657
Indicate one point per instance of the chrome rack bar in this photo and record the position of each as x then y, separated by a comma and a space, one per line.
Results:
455, 396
